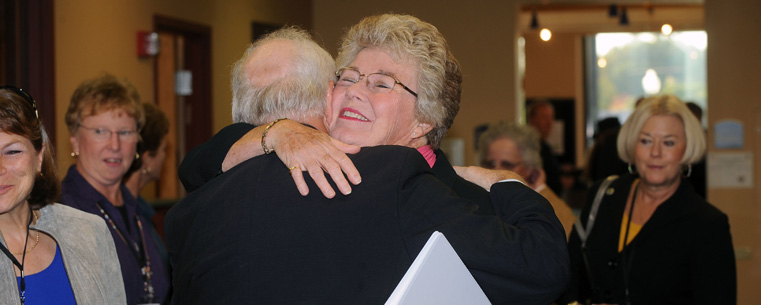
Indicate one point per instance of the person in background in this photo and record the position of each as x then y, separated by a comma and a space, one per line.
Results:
508, 146
59, 255
654, 240
104, 120
603, 159
147, 169
699, 174
541, 115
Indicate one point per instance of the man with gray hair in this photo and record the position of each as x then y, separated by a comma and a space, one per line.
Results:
249, 237
540, 115
513, 147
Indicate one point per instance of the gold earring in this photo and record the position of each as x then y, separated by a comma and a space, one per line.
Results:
74, 154
137, 156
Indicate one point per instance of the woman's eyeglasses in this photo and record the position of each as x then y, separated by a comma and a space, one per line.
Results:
23, 94
491, 164
103, 134
376, 82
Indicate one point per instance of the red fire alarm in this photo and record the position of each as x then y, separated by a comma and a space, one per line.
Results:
147, 44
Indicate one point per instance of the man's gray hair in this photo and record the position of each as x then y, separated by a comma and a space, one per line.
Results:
525, 138
297, 95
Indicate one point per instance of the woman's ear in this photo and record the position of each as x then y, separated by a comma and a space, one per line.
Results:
40, 157
74, 144
421, 130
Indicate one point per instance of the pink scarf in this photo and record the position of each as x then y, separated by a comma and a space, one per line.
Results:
428, 154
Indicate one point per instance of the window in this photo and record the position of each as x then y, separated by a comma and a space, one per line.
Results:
623, 67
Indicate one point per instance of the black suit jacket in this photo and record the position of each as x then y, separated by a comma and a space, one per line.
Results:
249, 237
550, 166
204, 162
682, 255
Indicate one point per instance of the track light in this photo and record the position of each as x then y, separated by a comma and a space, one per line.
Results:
545, 34
624, 17
613, 10
534, 21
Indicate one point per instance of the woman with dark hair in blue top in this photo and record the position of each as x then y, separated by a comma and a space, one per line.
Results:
51, 253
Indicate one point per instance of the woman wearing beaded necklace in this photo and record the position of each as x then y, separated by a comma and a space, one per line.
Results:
104, 120
52, 254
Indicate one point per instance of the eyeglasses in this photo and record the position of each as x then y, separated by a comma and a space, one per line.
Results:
376, 82
491, 164
26, 96
103, 134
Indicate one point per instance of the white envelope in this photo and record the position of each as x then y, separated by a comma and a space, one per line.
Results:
437, 276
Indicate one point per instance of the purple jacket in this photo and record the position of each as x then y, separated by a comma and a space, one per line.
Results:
78, 193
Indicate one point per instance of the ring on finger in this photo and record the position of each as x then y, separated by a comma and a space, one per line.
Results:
290, 169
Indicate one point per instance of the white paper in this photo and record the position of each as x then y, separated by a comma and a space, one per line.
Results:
183, 82
730, 170
437, 277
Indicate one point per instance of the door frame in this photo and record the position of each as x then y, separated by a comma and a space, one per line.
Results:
197, 59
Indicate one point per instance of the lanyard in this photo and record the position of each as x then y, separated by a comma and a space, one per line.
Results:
22, 284
626, 262
146, 262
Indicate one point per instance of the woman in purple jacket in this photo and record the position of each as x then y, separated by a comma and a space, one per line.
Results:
104, 119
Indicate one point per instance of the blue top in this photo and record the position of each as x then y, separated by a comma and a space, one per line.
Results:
78, 193
49, 286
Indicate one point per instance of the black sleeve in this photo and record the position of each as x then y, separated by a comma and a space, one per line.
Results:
714, 277
551, 168
517, 257
204, 162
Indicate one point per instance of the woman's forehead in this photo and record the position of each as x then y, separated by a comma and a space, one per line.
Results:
107, 114
375, 60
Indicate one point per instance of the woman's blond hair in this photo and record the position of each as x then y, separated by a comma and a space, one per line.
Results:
695, 142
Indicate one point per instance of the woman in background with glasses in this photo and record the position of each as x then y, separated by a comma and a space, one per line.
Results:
59, 255
104, 119
508, 146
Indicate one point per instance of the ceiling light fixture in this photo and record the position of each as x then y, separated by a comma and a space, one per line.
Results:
545, 34
534, 21
624, 17
613, 10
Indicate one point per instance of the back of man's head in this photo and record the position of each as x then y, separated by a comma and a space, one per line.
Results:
283, 74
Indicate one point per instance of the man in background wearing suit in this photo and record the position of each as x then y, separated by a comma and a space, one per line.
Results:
541, 115
249, 236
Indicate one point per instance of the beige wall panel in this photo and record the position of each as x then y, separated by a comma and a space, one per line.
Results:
551, 65
733, 83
